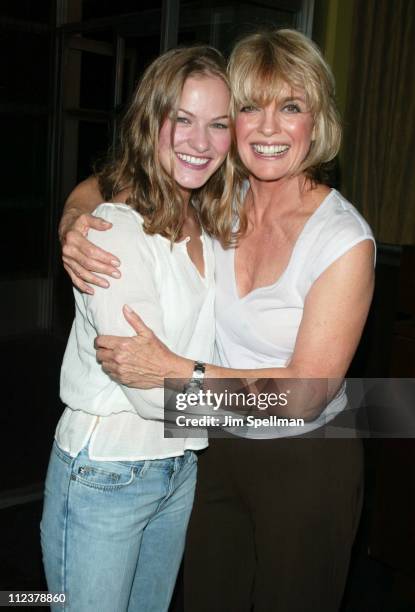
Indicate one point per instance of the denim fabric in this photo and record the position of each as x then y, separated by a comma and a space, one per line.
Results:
113, 532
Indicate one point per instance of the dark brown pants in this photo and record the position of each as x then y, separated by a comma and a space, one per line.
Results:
273, 525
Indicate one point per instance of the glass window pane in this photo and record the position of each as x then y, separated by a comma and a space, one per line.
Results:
220, 23
93, 142
92, 9
140, 51
23, 196
96, 81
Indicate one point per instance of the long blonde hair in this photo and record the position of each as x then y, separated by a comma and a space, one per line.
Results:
136, 166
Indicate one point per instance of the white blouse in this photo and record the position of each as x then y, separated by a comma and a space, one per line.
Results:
164, 287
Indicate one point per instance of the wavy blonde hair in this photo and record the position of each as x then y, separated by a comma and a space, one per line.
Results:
259, 67
136, 165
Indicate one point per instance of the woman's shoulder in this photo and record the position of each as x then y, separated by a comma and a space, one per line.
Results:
113, 212
126, 233
341, 217
338, 227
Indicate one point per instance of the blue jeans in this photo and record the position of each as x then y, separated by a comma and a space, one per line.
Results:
113, 532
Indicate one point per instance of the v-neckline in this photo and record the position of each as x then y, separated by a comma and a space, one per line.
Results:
284, 272
186, 241
183, 245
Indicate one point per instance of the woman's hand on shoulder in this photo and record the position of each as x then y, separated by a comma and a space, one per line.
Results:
81, 258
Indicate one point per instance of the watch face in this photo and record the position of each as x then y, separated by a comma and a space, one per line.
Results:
199, 369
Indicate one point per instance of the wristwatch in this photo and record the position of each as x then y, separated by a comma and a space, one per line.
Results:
195, 384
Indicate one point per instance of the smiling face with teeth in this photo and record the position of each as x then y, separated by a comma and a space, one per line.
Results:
197, 141
274, 140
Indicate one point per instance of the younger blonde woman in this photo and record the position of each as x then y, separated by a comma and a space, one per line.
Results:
118, 494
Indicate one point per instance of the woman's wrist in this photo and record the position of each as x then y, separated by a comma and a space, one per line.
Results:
69, 216
180, 367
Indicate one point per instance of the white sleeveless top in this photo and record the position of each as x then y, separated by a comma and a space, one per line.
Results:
260, 329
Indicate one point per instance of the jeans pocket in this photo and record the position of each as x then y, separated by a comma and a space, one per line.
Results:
103, 479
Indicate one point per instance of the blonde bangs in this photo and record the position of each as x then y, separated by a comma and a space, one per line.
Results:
261, 64
259, 74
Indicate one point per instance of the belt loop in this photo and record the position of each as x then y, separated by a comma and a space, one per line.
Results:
144, 469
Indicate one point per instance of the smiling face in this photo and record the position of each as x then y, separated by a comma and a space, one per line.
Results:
200, 134
274, 140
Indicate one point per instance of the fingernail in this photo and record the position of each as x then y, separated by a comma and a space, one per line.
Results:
115, 262
105, 284
127, 308
115, 274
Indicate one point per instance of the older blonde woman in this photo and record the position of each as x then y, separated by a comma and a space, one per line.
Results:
274, 519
